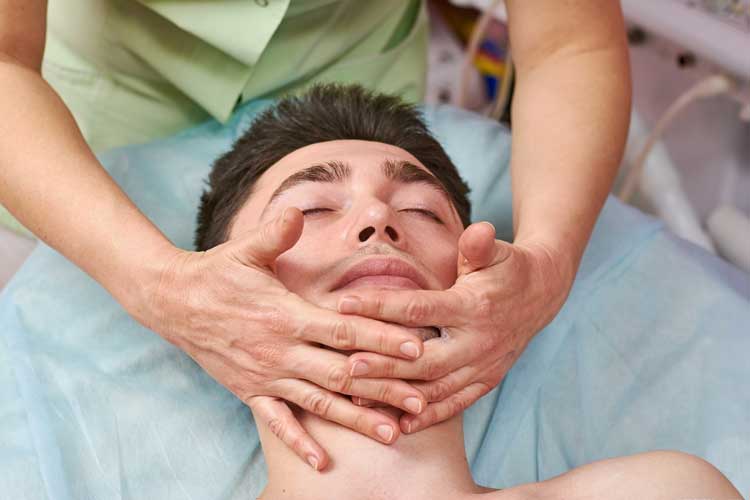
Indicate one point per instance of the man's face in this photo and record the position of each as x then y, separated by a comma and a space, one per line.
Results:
375, 218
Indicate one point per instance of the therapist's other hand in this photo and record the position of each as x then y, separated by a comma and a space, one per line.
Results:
226, 309
505, 293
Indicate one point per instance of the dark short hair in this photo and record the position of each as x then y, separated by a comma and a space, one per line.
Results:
326, 112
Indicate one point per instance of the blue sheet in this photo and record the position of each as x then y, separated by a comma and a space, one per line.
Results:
650, 352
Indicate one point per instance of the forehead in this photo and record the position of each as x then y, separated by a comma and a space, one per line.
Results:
364, 157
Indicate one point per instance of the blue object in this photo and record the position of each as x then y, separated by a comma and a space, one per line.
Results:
649, 352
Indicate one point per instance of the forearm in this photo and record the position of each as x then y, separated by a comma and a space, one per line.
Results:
570, 118
52, 182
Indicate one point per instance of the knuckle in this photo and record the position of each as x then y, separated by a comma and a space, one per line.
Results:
318, 402
275, 321
438, 390
266, 354
265, 236
434, 369
417, 311
240, 390
382, 341
339, 379
343, 335
484, 388
298, 443
457, 405
385, 393
266, 316
484, 306
379, 305
277, 427
389, 367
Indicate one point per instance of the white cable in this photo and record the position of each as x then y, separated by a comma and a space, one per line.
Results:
730, 229
503, 96
660, 191
712, 86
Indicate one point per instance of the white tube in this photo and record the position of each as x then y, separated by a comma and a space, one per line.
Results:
730, 230
661, 188
708, 87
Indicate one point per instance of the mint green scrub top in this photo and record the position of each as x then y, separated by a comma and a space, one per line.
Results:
134, 70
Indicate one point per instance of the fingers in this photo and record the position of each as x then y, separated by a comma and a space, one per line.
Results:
445, 409
439, 359
280, 420
366, 402
476, 247
330, 370
350, 333
261, 247
407, 307
437, 390
339, 409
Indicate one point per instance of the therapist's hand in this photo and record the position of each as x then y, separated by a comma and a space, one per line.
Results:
227, 310
505, 293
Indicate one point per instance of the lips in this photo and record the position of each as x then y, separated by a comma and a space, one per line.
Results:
382, 271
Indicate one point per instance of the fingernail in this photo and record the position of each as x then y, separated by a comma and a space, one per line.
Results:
410, 349
349, 305
489, 224
414, 405
313, 461
408, 427
385, 432
359, 368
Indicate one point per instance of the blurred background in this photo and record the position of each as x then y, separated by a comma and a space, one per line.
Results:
688, 155
688, 152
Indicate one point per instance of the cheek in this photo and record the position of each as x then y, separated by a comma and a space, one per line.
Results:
300, 268
439, 253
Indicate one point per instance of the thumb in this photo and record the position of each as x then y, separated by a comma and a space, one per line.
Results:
477, 247
263, 245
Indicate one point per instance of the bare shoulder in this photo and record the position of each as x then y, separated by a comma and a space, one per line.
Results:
656, 475
649, 476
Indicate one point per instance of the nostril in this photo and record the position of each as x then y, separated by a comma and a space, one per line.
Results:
392, 234
365, 234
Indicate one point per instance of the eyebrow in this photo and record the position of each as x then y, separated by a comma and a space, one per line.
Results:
331, 172
405, 172
337, 171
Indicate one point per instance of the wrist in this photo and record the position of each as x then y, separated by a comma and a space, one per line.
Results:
138, 288
562, 257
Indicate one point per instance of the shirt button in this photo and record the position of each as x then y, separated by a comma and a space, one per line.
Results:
261, 3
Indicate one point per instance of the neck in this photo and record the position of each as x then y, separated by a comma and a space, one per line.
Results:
428, 464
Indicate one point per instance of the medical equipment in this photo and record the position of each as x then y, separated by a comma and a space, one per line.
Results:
730, 229
718, 32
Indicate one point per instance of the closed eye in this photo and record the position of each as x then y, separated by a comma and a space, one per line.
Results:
313, 211
427, 213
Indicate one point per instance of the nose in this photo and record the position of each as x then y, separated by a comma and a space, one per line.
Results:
377, 223
368, 232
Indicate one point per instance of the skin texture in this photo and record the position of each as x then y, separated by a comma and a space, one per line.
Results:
222, 307
219, 307
369, 200
336, 223
362, 219
573, 90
